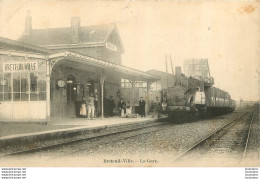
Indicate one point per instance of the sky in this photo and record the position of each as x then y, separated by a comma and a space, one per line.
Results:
226, 33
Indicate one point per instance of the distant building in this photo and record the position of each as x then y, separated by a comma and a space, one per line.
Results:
199, 69
196, 67
243, 104
141, 88
166, 80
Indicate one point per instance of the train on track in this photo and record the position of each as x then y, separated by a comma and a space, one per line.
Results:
195, 97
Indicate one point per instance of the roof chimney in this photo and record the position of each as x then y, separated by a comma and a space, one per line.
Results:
28, 24
75, 29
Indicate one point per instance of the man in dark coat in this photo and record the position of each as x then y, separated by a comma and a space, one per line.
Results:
111, 106
122, 107
106, 106
142, 107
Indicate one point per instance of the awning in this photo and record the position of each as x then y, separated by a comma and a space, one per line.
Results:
86, 62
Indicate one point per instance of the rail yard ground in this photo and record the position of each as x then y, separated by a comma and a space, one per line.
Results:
159, 144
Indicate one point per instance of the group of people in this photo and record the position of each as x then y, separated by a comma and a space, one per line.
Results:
89, 106
122, 107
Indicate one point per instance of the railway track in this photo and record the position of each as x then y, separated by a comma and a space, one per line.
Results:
228, 141
95, 141
116, 140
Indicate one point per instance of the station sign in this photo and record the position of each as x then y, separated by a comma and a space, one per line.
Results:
20, 66
111, 46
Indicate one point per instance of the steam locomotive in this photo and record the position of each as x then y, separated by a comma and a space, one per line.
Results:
193, 97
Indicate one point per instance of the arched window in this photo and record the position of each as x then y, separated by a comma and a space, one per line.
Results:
71, 88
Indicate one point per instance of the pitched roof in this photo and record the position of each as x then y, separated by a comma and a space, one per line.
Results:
87, 62
62, 36
158, 73
9, 44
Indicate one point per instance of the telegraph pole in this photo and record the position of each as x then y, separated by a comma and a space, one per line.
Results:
167, 70
171, 63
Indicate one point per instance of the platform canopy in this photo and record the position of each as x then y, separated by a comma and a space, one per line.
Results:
84, 62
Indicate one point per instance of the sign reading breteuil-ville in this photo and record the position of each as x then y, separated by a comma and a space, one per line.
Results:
20, 66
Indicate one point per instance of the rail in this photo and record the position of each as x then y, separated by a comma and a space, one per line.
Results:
150, 126
248, 136
207, 137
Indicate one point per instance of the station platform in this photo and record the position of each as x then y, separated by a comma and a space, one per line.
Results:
19, 136
16, 129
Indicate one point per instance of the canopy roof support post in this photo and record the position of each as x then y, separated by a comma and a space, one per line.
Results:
148, 106
102, 81
133, 95
48, 94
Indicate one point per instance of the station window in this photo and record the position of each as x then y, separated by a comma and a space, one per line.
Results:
34, 92
156, 86
126, 83
22, 86
7, 87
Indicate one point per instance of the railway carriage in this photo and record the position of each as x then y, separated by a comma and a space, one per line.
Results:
218, 101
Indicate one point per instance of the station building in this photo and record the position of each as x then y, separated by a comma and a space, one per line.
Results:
46, 72
148, 90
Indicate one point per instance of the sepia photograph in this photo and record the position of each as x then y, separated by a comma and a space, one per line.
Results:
129, 83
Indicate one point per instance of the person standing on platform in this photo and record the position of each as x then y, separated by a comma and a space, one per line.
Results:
156, 107
142, 106
106, 106
83, 108
77, 106
91, 106
96, 104
122, 108
111, 106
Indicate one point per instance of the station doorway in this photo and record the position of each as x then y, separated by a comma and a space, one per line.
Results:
69, 86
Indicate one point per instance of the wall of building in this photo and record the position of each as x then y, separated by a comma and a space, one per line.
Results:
22, 89
167, 80
101, 53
